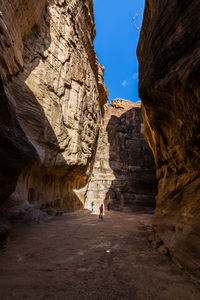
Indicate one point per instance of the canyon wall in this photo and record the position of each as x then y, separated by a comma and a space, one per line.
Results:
124, 169
169, 77
52, 93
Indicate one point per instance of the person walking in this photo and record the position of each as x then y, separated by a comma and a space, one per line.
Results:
92, 206
101, 212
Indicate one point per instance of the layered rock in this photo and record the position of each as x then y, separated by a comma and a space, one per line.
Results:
52, 92
124, 169
169, 64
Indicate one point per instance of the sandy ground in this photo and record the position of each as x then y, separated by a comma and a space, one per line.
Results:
77, 256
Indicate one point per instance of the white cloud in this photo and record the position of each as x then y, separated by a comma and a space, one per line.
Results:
134, 76
124, 83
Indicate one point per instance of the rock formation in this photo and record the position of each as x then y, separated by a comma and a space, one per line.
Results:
124, 169
169, 64
52, 93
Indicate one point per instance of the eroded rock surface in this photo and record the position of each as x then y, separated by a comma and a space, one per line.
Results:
52, 92
169, 63
124, 169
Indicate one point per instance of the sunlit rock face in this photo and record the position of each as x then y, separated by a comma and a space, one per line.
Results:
169, 64
52, 93
124, 169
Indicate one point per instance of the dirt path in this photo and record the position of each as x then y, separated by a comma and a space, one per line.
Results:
77, 256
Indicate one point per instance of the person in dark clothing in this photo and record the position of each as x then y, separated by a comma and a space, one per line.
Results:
108, 207
92, 206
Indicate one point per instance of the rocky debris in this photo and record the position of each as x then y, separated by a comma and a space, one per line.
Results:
157, 243
52, 92
124, 170
28, 216
169, 64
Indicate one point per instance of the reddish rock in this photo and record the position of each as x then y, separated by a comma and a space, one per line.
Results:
124, 170
52, 92
169, 64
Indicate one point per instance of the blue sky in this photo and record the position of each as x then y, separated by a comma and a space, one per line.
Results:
116, 43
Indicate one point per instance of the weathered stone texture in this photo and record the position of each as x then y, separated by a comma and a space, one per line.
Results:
52, 91
124, 169
169, 63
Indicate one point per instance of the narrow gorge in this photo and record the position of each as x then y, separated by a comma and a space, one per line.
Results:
63, 147
124, 168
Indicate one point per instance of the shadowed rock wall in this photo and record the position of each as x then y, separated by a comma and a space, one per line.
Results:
52, 91
124, 169
169, 63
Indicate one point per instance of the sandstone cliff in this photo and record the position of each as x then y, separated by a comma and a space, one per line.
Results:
169, 64
52, 92
124, 169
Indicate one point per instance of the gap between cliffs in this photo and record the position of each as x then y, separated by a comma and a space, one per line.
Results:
52, 103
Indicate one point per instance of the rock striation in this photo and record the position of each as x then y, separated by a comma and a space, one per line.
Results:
52, 92
124, 169
169, 63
